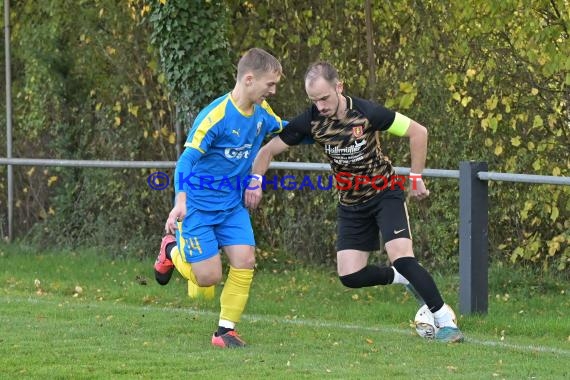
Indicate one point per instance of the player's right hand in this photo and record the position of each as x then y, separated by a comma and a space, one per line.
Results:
253, 194
177, 214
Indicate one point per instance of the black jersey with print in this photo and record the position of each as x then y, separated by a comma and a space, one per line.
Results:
352, 145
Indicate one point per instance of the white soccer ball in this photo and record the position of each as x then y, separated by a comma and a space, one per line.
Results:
425, 323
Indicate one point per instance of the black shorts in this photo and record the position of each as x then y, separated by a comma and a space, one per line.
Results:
359, 226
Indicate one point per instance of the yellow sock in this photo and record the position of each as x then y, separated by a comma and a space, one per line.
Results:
206, 292
185, 269
235, 293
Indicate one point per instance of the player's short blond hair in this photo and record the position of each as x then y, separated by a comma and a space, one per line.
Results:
258, 61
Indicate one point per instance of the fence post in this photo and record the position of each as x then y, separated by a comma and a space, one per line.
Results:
473, 238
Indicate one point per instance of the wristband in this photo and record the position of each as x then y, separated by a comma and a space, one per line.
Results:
415, 177
257, 177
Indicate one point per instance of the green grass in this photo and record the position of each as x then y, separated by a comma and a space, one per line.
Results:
300, 323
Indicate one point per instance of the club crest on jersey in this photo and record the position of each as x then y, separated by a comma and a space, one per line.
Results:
358, 131
259, 123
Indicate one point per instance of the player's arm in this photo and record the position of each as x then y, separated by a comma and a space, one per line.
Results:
199, 141
418, 136
182, 173
254, 191
418, 146
294, 133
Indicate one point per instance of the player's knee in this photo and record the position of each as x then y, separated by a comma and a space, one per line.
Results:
352, 280
244, 262
248, 262
209, 279
398, 248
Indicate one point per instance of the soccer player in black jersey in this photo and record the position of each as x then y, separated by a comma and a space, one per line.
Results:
370, 201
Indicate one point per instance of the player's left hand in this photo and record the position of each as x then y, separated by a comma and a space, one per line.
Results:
418, 189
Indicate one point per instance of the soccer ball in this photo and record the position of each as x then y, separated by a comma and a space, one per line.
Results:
425, 323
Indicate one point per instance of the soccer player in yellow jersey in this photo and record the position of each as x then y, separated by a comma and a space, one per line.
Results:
210, 177
348, 129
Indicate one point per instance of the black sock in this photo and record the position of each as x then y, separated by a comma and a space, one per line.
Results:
169, 248
370, 275
223, 330
421, 280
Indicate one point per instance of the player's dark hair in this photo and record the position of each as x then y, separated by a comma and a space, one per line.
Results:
322, 69
258, 61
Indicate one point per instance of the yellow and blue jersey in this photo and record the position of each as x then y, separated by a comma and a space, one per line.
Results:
214, 168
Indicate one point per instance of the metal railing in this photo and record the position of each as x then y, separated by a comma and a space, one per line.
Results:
473, 210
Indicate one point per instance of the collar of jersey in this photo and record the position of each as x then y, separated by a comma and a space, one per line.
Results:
239, 110
348, 105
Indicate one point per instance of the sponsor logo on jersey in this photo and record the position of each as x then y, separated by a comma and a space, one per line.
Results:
238, 153
351, 149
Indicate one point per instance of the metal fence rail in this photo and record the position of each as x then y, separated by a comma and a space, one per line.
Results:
308, 166
88, 163
525, 178
473, 210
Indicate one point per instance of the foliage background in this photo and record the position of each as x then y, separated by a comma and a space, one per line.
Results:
100, 79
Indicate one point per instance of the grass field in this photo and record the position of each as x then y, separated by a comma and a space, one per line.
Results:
81, 315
